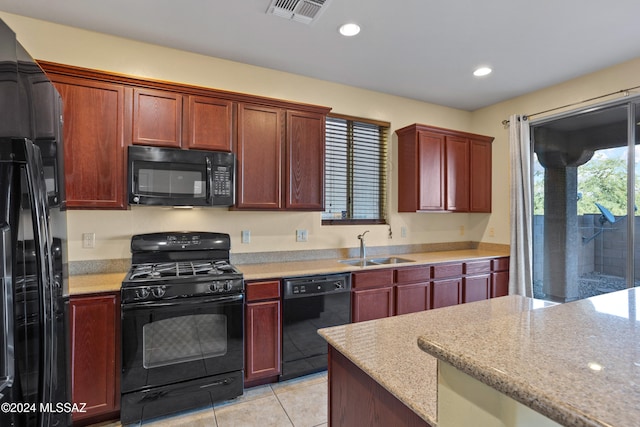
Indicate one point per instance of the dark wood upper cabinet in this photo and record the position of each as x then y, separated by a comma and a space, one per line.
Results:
94, 148
280, 158
480, 169
209, 123
305, 161
443, 170
157, 118
259, 149
279, 145
457, 154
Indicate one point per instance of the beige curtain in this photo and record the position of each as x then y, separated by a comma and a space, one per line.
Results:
520, 267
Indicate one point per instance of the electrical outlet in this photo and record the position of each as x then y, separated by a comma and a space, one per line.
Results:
403, 231
246, 236
462, 230
301, 235
88, 240
492, 232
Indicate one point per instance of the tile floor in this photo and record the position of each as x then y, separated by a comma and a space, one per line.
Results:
301, 402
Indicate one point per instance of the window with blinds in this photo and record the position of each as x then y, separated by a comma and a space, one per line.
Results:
355, 171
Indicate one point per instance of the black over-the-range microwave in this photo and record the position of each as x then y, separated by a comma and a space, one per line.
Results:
174, 177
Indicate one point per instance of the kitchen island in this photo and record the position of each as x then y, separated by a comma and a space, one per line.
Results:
387, 351
575, 364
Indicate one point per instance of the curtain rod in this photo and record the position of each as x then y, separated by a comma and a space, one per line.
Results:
623, 91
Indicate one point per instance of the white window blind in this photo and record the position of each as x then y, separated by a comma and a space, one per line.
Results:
355, 171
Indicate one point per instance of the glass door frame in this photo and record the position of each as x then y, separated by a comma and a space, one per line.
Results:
633, 120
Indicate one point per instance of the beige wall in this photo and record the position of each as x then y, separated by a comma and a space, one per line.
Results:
276, 230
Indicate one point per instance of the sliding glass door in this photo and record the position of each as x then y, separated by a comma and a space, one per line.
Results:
585, 177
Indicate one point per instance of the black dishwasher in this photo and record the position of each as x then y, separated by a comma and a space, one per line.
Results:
311, 303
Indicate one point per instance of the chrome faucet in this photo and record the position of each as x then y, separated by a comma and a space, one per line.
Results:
363, 248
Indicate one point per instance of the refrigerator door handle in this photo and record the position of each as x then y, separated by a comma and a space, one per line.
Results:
8, 373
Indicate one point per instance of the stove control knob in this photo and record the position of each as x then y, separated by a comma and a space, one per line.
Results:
159, 291
142, 293
215, 287
228, 285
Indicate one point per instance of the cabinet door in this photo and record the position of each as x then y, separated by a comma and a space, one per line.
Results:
157, 118
457, 174
305, 161
369, 304
445, 293
209, 123
259, 152
94, 356
94, 151
262, 340
413, 298
480, 168
431, 173
476, 288
499, 284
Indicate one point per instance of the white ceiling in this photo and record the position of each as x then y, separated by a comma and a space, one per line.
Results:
421, 49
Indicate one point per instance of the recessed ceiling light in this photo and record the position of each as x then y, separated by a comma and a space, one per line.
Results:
349, 29
482, 71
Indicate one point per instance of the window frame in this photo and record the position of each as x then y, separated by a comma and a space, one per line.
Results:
383, 171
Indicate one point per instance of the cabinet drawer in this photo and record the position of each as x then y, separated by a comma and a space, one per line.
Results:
413, 275
372, 279
475, 267
257, 291
447, 270
500, 264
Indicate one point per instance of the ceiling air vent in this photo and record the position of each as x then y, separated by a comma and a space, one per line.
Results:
305, 11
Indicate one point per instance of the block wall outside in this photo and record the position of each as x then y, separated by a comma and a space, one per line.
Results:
604, 254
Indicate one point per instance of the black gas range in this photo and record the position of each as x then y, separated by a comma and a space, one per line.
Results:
180, 265
182, 332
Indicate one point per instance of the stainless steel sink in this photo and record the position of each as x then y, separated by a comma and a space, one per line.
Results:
390, 260
358, 262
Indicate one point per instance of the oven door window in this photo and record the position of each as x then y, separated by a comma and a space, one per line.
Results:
180, 340
184, 339
163, 179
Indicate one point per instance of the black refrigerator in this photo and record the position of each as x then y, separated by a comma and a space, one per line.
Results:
34, 356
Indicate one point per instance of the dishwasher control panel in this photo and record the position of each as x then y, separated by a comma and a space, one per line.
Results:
311, 285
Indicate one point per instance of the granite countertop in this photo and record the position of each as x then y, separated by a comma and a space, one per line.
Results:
387, 349
95, 283
326, 266
577, 363
109, 282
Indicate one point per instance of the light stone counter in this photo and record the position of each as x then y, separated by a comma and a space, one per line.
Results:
387, 349
576, 363
301, 268
95, 283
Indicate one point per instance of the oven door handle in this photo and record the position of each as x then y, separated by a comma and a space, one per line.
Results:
182, 302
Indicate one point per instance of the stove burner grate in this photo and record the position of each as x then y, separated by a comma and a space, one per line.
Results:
179, 269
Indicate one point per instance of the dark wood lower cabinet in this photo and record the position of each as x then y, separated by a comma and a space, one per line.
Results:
476, 288
263, 332
355, 399
369, 304
499, 284
413, 298
446, 292
95, 356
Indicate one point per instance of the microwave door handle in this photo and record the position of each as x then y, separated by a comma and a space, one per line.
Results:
209, 179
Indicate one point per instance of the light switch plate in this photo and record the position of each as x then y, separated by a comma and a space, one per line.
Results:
246, 236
